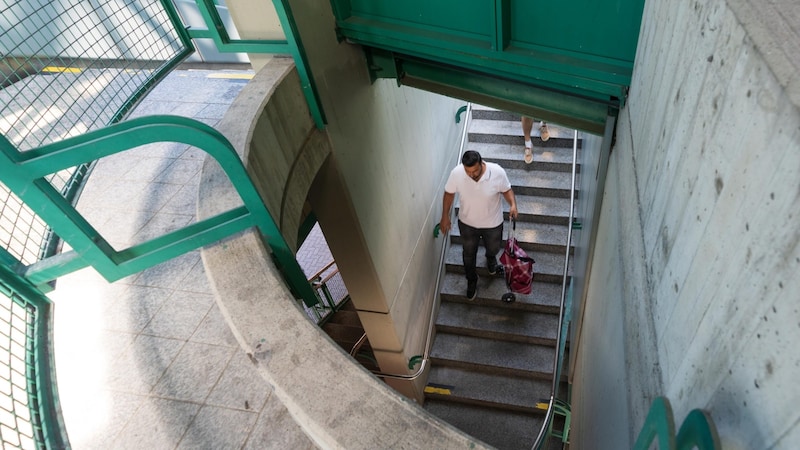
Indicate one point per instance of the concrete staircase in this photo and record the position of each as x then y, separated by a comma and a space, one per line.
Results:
345, 328
492, 361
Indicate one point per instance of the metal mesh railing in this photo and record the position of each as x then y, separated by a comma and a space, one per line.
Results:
29, 410
68, 67
16, 333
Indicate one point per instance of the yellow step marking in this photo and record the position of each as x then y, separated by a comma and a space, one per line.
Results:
232, 76
437, 390
441, 389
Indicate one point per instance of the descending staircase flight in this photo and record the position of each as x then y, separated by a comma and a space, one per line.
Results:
493, 361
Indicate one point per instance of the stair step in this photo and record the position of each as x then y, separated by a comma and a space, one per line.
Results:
510, 156
345, 336
498, 391
531, 236
544, 297
497, 322
534, 208
543, 183
504, 430
549, 267
496, 358
510, 132
346, 317
492, 356
488, 113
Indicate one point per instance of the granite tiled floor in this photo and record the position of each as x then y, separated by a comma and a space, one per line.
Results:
148, 362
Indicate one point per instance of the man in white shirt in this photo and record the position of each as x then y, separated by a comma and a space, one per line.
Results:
480, 186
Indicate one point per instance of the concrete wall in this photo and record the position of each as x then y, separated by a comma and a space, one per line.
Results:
337, 403
393, 148
378, 196
693, 288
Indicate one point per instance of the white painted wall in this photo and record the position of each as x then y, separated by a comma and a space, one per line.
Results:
700, 249
394, 146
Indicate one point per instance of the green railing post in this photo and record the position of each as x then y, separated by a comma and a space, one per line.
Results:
291, 46
659, 426
697, 431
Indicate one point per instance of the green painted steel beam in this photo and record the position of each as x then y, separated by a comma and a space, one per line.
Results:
289, 26
227, 45
573, 111
147, 254
560, 69
583, 48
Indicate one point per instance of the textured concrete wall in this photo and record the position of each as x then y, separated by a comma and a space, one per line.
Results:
701, 244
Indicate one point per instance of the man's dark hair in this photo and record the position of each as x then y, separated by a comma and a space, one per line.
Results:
470, 158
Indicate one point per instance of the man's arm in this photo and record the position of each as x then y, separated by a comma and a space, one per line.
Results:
447, 203
512, 201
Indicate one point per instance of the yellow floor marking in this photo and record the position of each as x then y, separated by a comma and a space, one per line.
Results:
61, 69
237, 76
436, 390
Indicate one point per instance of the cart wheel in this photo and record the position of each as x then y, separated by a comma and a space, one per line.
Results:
508, 297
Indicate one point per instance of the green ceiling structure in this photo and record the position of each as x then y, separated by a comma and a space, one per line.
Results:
569, 62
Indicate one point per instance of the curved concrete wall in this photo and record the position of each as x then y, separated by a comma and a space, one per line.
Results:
336, 402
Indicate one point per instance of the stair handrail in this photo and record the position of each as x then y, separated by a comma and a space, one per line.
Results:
319, 273
423, 360
559, 336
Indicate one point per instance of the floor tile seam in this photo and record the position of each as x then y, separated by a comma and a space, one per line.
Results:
140, 332
231, 351
204, 402
181, 284
152, 220
154, 191
201, 404
264, 410
128, 419
144, 330
190, 424
143, 397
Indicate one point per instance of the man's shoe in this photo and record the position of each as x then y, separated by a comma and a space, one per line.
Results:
491, 265
472, 290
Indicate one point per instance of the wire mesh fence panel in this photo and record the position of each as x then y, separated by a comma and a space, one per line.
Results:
67, 67
20, 426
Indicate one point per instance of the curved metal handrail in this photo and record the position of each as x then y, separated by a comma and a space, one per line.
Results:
558, 356
435, 304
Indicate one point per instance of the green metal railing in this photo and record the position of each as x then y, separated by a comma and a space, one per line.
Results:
66, 68
70, 72
696, 432
331, 292
51, 89
30, 415
291, 45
